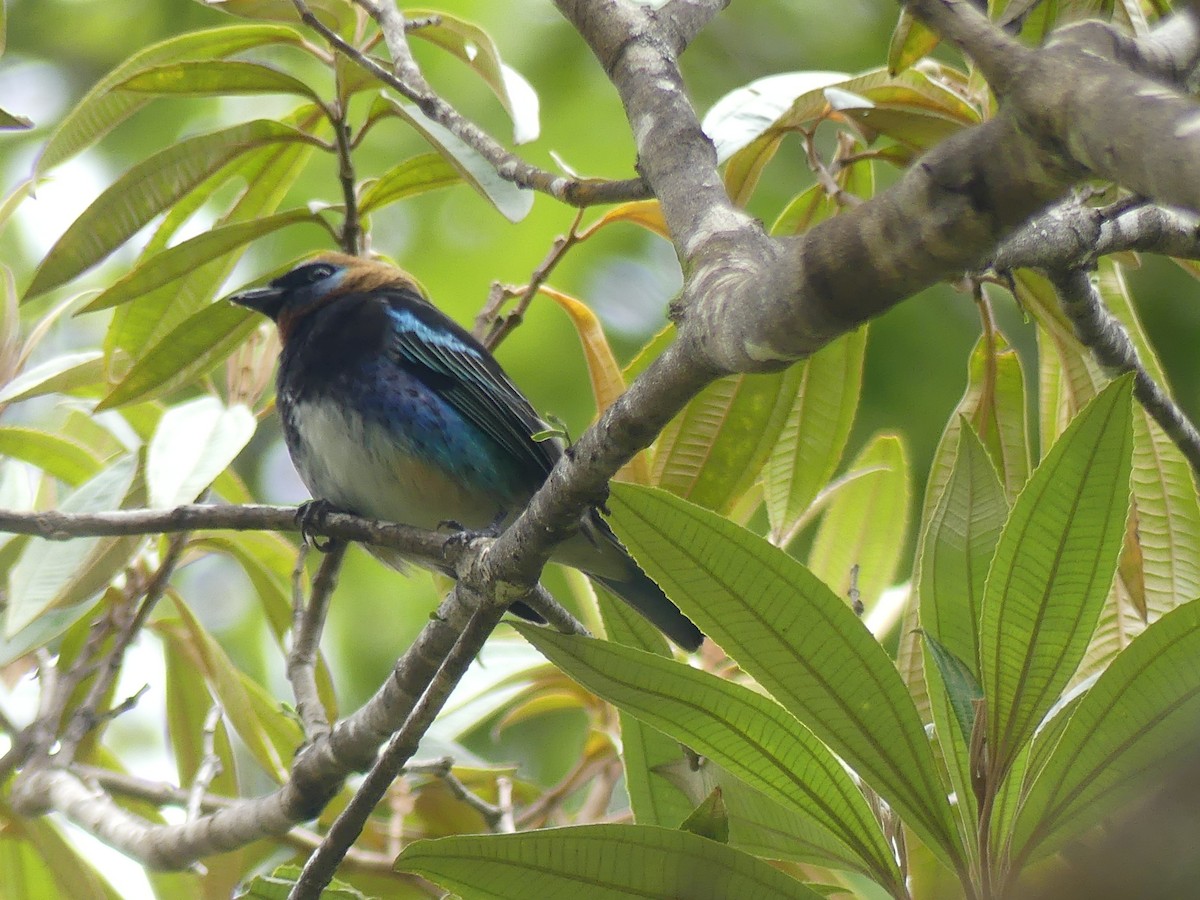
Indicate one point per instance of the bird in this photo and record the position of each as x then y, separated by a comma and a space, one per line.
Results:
393, 411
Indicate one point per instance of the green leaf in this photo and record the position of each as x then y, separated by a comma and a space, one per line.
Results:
187, 353
813, 438
957, 549
59, 456
270, 736
278, 885
57, 573
13, 122
336, 14
960, 684
1052, 570
180, 261
710, 819
475, 47
222, 77
747, 124
866, 524
994, 404
1140, 716
102, 108
511, 201
194, 443
42, 630
426, 172
60, 374
37, 862
711, 453
745, 733
188, 705
912, 40
601, 862
645, 751
1160, 567
145, 190
269, 174
798, 640
748, 112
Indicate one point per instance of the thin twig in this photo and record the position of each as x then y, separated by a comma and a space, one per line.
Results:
320, 867
490, 327
85, 715
210, 765
351, 231
308, 622
573, 191
1102, 333
443, 769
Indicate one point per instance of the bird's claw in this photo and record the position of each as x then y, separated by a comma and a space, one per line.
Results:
310, 516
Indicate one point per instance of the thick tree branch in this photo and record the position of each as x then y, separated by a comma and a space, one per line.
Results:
998, 56
1072, 234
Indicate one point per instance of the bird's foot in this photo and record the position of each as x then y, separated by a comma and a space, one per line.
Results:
310, 516
461, 534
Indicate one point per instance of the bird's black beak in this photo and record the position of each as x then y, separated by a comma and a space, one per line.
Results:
265, 300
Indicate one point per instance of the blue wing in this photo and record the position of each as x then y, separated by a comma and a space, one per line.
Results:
462, 371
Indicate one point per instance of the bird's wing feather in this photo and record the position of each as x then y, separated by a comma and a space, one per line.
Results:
462, 371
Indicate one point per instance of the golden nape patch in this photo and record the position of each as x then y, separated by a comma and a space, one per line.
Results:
363, 274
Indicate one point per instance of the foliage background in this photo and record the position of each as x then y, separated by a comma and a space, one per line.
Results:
457, 245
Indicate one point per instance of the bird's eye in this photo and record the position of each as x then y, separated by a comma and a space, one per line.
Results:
318, 272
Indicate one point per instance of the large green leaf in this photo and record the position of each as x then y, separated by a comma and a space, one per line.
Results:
798, 640
147, 189
426, 172
600, 862
865, 529
193, 444
269, 173
185, 354
177, 262
512, 202
1142, 713
1160, 567
71, 371
711, 453
747, 734
956, 550
1052, 570
959, 542
60, 456
810, 444
645, 751
475, 47
270, 735
221, 77
56, 573
103, 108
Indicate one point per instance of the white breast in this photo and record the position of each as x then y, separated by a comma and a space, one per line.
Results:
359, 467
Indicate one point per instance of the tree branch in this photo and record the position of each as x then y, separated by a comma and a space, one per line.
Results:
319, 869
1103, 334
510, 167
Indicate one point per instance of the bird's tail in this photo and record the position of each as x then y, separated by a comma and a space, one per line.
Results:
639, 591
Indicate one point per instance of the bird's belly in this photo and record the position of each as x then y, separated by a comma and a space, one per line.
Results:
360, 464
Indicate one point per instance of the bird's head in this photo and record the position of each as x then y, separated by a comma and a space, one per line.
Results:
313, 284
